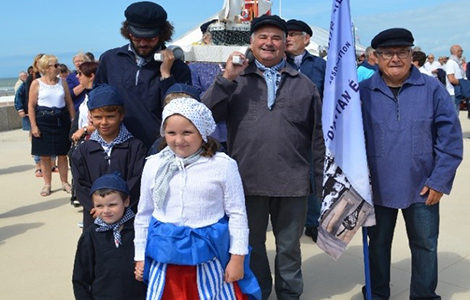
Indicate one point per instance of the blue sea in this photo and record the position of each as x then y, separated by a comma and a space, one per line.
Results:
7, 86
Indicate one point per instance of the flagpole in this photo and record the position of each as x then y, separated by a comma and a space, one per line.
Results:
365, 249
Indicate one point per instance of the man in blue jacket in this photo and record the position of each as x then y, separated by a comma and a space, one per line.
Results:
414, 146
298, 37
140, 79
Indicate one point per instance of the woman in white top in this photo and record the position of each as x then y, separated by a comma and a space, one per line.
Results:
51, 111
191, 227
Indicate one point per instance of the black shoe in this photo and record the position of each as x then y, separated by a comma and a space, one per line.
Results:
312, 232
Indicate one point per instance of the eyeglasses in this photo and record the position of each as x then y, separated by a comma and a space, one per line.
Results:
295, 33
388, 54
54, 65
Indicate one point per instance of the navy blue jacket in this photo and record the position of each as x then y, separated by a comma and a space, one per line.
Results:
72, 82
141, 89
102, 271
313, 67
89, 161
20, 99
412, 140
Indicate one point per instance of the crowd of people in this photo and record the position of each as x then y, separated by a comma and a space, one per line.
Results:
180, 167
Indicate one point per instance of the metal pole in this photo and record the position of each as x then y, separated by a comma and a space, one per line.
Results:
365, 248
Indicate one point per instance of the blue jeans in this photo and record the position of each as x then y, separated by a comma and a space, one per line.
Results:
422, 228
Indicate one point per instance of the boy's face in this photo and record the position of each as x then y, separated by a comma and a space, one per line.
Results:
111, 207
107, 123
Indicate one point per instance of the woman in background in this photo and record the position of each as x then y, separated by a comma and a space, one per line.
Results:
51, 110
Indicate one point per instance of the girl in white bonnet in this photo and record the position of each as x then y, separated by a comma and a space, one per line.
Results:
191, 232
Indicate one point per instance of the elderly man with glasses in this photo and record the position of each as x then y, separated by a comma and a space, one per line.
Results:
414, 146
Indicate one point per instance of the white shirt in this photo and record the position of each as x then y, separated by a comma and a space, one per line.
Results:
424, 71
83, 113
199, 195
51, 95
432, 66
452, 68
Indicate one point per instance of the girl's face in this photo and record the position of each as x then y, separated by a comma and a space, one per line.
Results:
182, 136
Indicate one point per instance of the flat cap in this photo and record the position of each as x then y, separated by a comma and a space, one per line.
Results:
192, 91
297, 25
393, 37
111, 181
145, 19
104, 95
266, 20
205, 25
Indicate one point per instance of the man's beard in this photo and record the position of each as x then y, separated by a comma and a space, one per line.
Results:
145, 52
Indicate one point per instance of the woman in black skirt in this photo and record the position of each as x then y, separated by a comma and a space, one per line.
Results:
49, 99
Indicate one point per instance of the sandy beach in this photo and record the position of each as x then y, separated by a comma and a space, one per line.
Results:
38, 237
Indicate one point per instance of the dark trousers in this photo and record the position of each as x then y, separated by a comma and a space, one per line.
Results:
287, 220
422, 228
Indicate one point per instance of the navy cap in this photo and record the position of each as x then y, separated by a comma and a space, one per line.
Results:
266, 20
297, 25
393, 37
190, 90
111, 181
204, 26
145, 19
104, 95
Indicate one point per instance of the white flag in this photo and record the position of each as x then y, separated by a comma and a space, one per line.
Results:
347, 203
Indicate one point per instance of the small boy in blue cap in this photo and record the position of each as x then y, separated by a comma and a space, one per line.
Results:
104, 261
111, 148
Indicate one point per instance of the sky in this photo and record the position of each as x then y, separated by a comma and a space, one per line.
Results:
64, 28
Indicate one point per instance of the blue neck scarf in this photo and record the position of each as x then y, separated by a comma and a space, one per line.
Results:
102, 226
123, 136
272, 76
169, 167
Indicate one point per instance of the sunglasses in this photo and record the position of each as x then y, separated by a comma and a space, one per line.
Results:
54, 65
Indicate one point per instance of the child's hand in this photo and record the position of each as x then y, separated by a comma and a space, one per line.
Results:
94, 213
234, 270
139, 270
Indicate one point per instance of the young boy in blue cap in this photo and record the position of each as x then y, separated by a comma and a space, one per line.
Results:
104, 261
111, 148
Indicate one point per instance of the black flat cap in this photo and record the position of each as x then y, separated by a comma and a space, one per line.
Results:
297, 25
266, 20
393, 37
204, 26
145, 19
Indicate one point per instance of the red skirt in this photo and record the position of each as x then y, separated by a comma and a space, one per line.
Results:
181, 284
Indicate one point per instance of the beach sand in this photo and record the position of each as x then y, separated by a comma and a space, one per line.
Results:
38, 237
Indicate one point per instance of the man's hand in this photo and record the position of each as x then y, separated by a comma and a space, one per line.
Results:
233, 70
433, 196
168, 60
